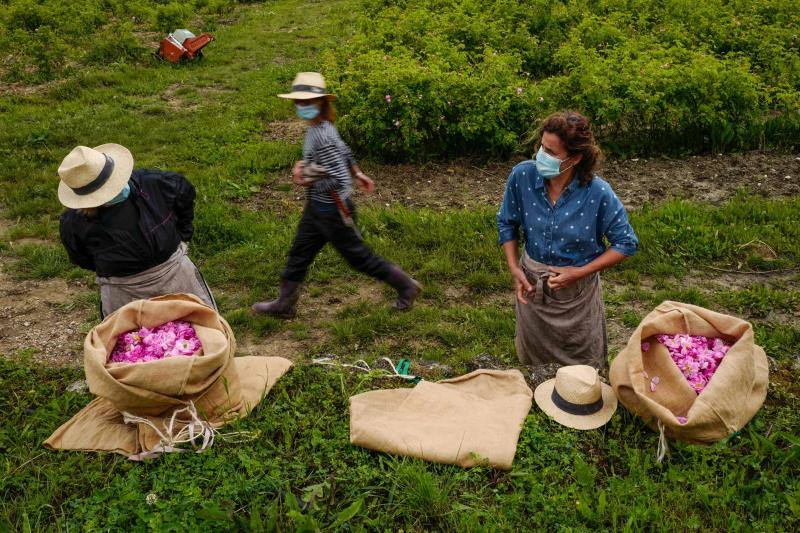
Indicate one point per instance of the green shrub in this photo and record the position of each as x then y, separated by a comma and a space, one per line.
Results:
27, 15
117, 43
48, 53
475, 76
171, 16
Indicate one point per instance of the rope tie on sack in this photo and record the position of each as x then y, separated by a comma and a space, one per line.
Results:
170, 439
662, 442
364, 367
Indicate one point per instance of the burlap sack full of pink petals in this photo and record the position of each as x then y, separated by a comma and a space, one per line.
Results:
733, 395
214, 383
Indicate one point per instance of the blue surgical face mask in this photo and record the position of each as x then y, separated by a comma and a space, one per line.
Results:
122, 196
548, 166
307, 112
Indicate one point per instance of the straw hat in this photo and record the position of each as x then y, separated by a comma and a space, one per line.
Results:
91, 177
576, 398
307, 86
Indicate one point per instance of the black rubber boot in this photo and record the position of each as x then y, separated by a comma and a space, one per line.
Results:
286, 304
407, 288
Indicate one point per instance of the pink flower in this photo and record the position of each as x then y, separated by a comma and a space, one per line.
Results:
175, 338
697, 357
388, 98
645, 346
681, 419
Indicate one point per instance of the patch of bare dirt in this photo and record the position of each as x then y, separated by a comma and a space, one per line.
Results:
38, 314
282, 344
181, 96
290, 131
710, 178
732, 280
25, 89
783, 375
463, 183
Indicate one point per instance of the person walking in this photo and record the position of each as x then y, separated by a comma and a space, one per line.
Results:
327, 171
128, 226
566, 214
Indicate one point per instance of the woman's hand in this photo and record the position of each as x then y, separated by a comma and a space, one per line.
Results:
564, 277
521, 284
297, 175
364, 182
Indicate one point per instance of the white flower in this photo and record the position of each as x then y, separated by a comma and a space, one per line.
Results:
151, 499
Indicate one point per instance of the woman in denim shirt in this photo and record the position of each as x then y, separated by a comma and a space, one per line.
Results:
573, 227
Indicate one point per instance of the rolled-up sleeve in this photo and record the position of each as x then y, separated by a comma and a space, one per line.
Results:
508, 217
615, 226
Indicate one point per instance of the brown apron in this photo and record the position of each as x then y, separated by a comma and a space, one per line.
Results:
178, 274
565, 327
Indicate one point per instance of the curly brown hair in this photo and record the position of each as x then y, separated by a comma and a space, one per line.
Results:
575, 132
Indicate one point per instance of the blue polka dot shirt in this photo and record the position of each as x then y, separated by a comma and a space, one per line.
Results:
574, 231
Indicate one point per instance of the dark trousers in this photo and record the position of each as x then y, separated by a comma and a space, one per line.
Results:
320, 224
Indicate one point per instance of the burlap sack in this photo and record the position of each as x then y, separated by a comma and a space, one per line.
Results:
220, 385
467, 420
732, 397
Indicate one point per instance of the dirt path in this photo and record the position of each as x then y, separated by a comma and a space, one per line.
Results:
41, 315
712, 179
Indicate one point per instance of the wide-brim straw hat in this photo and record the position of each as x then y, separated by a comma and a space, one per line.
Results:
90, 177
308, 86
576, 398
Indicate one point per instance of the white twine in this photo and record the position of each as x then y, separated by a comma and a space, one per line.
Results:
364, 367
662, 442
169, 439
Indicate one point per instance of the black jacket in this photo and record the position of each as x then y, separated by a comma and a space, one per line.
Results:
107, 245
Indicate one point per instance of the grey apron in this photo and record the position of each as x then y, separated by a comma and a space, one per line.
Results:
565, 327
176, 274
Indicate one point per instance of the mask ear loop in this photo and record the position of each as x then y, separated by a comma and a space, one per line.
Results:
569, 167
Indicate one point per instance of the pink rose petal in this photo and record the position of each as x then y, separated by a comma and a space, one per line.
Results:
682, 420
173, 339
697, 357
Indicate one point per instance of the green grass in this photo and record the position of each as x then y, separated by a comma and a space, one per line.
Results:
605, 479
207, 121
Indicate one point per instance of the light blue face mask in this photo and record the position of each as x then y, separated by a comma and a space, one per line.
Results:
548, 166
307, 112
122, 196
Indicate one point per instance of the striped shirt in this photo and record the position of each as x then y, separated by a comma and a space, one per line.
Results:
325, 147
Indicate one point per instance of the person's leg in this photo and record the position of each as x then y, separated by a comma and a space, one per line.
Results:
308, 241
356, 252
